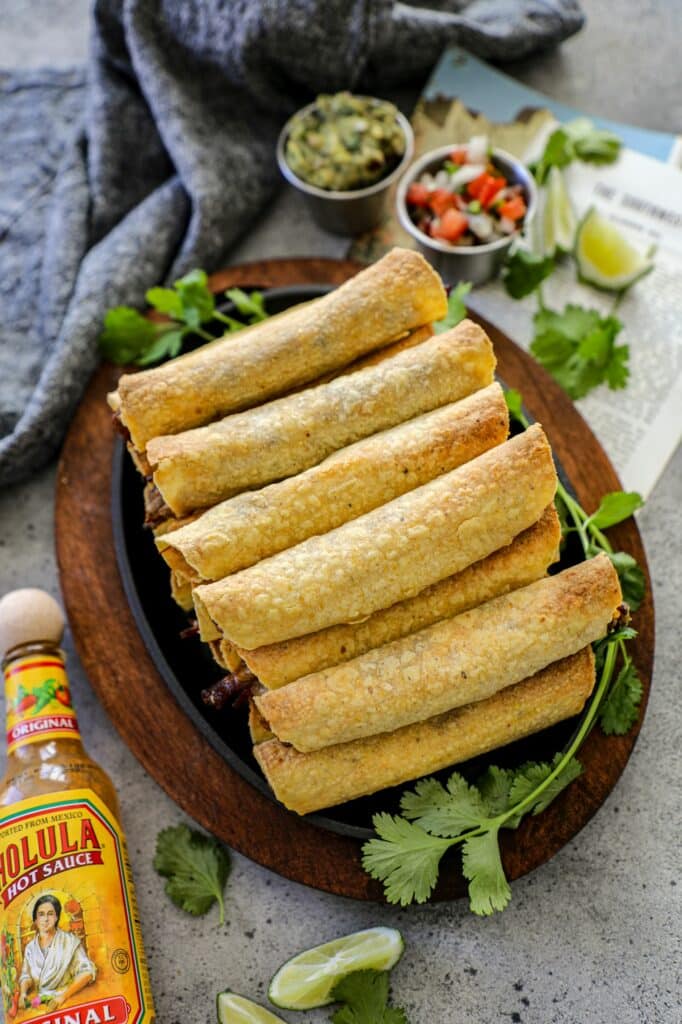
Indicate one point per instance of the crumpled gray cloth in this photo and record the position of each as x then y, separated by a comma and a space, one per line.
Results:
157, 157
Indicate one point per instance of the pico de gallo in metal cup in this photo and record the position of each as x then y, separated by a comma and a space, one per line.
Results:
464, 205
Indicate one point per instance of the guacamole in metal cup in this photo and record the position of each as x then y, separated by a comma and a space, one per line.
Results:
345, 142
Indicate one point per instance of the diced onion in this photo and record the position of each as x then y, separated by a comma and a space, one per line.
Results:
481, 225
477, 149
463, 175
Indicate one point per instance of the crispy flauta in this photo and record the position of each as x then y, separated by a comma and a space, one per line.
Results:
323, 778
399, 292
456, 662
251, 526
526, 559
387, 555
200, 467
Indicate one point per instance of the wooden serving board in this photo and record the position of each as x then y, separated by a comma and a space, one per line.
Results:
167, 742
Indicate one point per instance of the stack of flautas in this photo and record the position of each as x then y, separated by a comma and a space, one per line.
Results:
336, 496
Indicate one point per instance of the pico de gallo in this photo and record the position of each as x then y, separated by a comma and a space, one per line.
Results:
467, 200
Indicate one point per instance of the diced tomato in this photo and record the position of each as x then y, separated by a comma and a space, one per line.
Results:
418, 194
485, 187
441, 200
475, 186
514, 208
459, 156
490, 190
452, 225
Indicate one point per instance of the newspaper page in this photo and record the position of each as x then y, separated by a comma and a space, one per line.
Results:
641, 425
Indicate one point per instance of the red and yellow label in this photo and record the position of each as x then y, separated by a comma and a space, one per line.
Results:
70, 943
38, 701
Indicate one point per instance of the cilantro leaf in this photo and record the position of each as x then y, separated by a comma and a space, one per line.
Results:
457, 311
530, 776
250, 305
524, 271
578, 349
166, 301
558, 152
444, 812
614, 508
620, 710
126, 336
482, 866
196, 867
198, 302
166, 345
577, 140
365, 994
404, 857
591, 144
495, 789
632, 580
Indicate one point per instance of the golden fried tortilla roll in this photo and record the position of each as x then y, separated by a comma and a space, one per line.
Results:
456, 662
387, 555
309, 782
240, 532
200, 467
399, 292
526, 559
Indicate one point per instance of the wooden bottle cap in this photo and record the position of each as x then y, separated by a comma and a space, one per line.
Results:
27, 616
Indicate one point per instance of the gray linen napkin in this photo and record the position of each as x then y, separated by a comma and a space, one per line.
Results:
161, 154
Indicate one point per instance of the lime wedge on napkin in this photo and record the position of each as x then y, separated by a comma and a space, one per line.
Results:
234, 1009
558, 219
307, 979
605, 258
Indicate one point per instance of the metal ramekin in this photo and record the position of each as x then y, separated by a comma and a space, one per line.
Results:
477, 263
354, 211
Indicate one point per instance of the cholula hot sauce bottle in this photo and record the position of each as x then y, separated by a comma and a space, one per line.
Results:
70, 943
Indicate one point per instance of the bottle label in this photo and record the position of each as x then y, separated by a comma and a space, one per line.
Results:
38, 701
70, 943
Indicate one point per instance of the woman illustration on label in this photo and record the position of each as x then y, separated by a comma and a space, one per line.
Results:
55, 963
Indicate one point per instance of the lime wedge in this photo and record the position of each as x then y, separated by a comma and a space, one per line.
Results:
558, 218
604, 256
234, 1009
306, 980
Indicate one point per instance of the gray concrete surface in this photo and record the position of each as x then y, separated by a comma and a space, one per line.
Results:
593, 937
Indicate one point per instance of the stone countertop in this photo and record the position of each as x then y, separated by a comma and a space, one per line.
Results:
591, 937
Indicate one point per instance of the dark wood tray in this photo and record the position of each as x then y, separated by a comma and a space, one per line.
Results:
125, 630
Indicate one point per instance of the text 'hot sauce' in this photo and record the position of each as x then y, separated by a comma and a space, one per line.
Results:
70, 943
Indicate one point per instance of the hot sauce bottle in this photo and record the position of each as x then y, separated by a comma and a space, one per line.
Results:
70, 943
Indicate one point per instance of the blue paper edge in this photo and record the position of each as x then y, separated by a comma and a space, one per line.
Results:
485, 90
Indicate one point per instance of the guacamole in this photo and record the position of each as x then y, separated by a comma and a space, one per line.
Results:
345, 142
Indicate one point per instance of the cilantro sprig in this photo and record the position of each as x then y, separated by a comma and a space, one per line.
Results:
407, 851
365, 998
196, 867
579, 349
577, 346
577, 140
185, 309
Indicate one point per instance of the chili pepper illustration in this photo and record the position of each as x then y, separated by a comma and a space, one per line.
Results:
27, 702
63, 695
